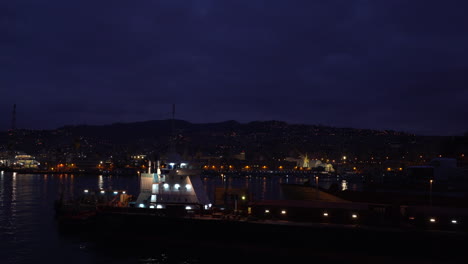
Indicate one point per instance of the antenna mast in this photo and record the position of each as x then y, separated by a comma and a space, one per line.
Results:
13, 118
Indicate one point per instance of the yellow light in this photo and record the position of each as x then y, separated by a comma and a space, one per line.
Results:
354, 168
243, 197
389, 169
400, 168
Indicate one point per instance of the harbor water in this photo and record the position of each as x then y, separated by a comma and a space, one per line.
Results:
28, 231
28, 228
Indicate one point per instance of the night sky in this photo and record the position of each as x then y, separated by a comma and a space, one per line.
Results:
389, 64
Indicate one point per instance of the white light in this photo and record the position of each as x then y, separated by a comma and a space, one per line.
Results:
86, 191
166, 185
354, 215
177, 186
267, 211
454, 221
188, 207
172, 164
116, 192
2, 172
432, 220
142, 206
152, 206
188, 186
124, 192
283, 211
183, 164
209, 205
325, 214
206, 207
102, 191
158, 206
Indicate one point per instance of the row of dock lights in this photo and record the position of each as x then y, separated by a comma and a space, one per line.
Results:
325, 214
433, 220
103, 192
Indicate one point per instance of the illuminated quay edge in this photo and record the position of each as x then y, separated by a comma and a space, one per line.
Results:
175, 185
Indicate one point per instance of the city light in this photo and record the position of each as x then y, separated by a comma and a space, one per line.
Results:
325, 214
283, 212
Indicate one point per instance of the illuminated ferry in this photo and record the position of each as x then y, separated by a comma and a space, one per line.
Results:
175, 185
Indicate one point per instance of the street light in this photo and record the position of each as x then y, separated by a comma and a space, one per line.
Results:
316, 186
430, 192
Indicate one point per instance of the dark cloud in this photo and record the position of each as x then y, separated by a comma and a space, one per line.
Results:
396, 64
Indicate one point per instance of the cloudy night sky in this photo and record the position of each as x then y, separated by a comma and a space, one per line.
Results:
379, 64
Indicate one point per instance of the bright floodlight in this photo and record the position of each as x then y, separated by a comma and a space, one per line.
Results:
454, 221
267, 211
159, 206
116, 192
432, 220
102, 192
142, 206
354, 215
152, 206
188, 207
325, 214
283, 212
86, 191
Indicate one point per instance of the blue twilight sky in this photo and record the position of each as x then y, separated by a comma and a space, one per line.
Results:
380, 64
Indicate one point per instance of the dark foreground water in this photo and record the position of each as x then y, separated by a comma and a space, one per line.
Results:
29, 234
28, 231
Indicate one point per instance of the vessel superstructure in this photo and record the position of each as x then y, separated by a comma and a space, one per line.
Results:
174, 184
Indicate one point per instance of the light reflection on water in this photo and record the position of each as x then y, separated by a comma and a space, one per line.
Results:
28, 231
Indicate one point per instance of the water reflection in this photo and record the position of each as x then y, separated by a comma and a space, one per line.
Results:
344, 185
100, 182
